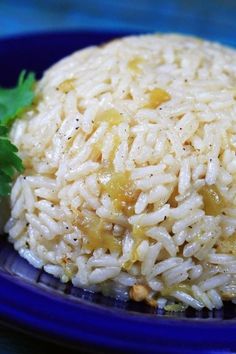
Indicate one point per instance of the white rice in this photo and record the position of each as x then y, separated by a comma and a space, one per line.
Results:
130, 170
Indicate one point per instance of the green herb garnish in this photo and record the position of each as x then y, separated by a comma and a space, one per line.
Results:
13, 102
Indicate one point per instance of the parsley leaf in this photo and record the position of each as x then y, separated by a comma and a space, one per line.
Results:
5, 185
12, 103
3, 130
9, 163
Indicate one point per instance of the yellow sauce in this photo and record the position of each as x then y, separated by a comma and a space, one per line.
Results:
134, 64
110, 116
115, 144
66, 86
120, 189
213, 201
98, 237
172, 201
118, 186
70, 269
179, 287
175, 307
227, 245
96, 151
138, 235
157, 97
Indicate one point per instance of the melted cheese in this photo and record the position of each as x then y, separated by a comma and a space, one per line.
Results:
213, 201
66, 86
98, 237
179, 287
110, 116
172, 201
134, 64
120, 189
138, 235
157, 97
227, 245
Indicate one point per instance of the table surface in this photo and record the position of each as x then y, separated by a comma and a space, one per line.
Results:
147, 15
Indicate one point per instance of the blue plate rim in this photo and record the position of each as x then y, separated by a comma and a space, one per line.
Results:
90, 324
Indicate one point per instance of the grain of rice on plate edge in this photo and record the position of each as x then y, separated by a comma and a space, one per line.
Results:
130, 179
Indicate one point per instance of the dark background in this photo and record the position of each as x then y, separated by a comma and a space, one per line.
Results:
214, 19
200, 17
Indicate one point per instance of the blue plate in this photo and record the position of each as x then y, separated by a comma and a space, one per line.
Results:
35, 302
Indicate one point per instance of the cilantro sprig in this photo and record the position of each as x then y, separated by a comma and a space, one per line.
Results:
13, 102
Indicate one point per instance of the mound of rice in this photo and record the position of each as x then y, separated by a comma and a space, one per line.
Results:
130, 179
